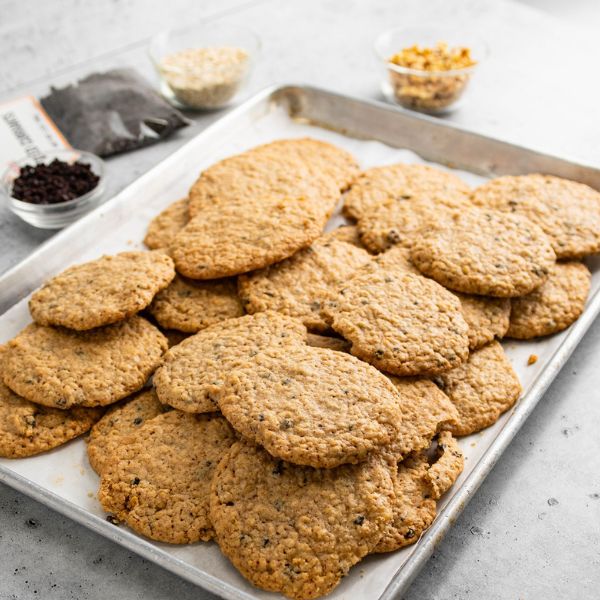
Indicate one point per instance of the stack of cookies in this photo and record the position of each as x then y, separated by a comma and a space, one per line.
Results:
306, 412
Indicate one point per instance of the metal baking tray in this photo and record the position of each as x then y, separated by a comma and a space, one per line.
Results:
376, 134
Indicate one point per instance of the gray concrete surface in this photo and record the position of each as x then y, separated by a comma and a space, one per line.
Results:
533, 528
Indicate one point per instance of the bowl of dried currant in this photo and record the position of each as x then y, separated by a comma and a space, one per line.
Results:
53, 190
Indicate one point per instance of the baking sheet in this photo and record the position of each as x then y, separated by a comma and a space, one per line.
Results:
63, 478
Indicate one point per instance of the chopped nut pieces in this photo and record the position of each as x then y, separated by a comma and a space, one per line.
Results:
430, 92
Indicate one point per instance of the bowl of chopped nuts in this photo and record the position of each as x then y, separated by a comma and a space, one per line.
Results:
428, 68
204, 67
53, 190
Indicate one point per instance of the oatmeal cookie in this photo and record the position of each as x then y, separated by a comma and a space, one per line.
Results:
393, 223
482, 389
424, 411
62, 368
486, 317
402, 323
553, 306
158, 480
102, 291
297, 530
298, 285
163, 228
485, 252
190, 306
418, 483
402, 183
193, 371
242, 236
311, 406
568, 212
27, 429
281, 170
119, 422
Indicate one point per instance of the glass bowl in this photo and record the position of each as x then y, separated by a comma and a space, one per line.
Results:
204, 67
54, 216
430, 91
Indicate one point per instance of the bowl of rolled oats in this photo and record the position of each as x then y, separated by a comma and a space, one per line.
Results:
428, 69
204, 67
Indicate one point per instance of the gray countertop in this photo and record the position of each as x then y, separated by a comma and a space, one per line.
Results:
533, 528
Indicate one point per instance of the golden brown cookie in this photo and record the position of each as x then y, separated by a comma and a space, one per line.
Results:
486, 317
482, 389
400, 222
62, 368
102, 291
297, 530
448, 465
311, 406
119, 422
414, 507
553, 306
255, 209
193, 371
402, 183
163, 228
331, 343
242, 236
189, 306
298, 285
485, 252
402, 323
27, 429
418, 482
568, 212
424, 411
281, 170
158, 480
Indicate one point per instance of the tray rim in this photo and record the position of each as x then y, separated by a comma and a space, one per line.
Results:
447, 516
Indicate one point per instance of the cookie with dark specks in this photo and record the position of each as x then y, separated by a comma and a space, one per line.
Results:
400, 223
485, 252
280, 170
552, 307
402, 323
242, 236
486, 317
482, 389
158, 480
311, 406
568, 212
165, 226
27, 429
102, 291
193, 371
298, 285
188, 305
424, 411
402, 183
61, 368
418, 483
119, 422
297, 530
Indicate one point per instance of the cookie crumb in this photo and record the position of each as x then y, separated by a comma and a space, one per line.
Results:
532, 359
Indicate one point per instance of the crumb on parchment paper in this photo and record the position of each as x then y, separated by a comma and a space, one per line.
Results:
532, 359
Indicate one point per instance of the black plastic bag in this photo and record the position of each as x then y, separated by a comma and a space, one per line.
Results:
112, 112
